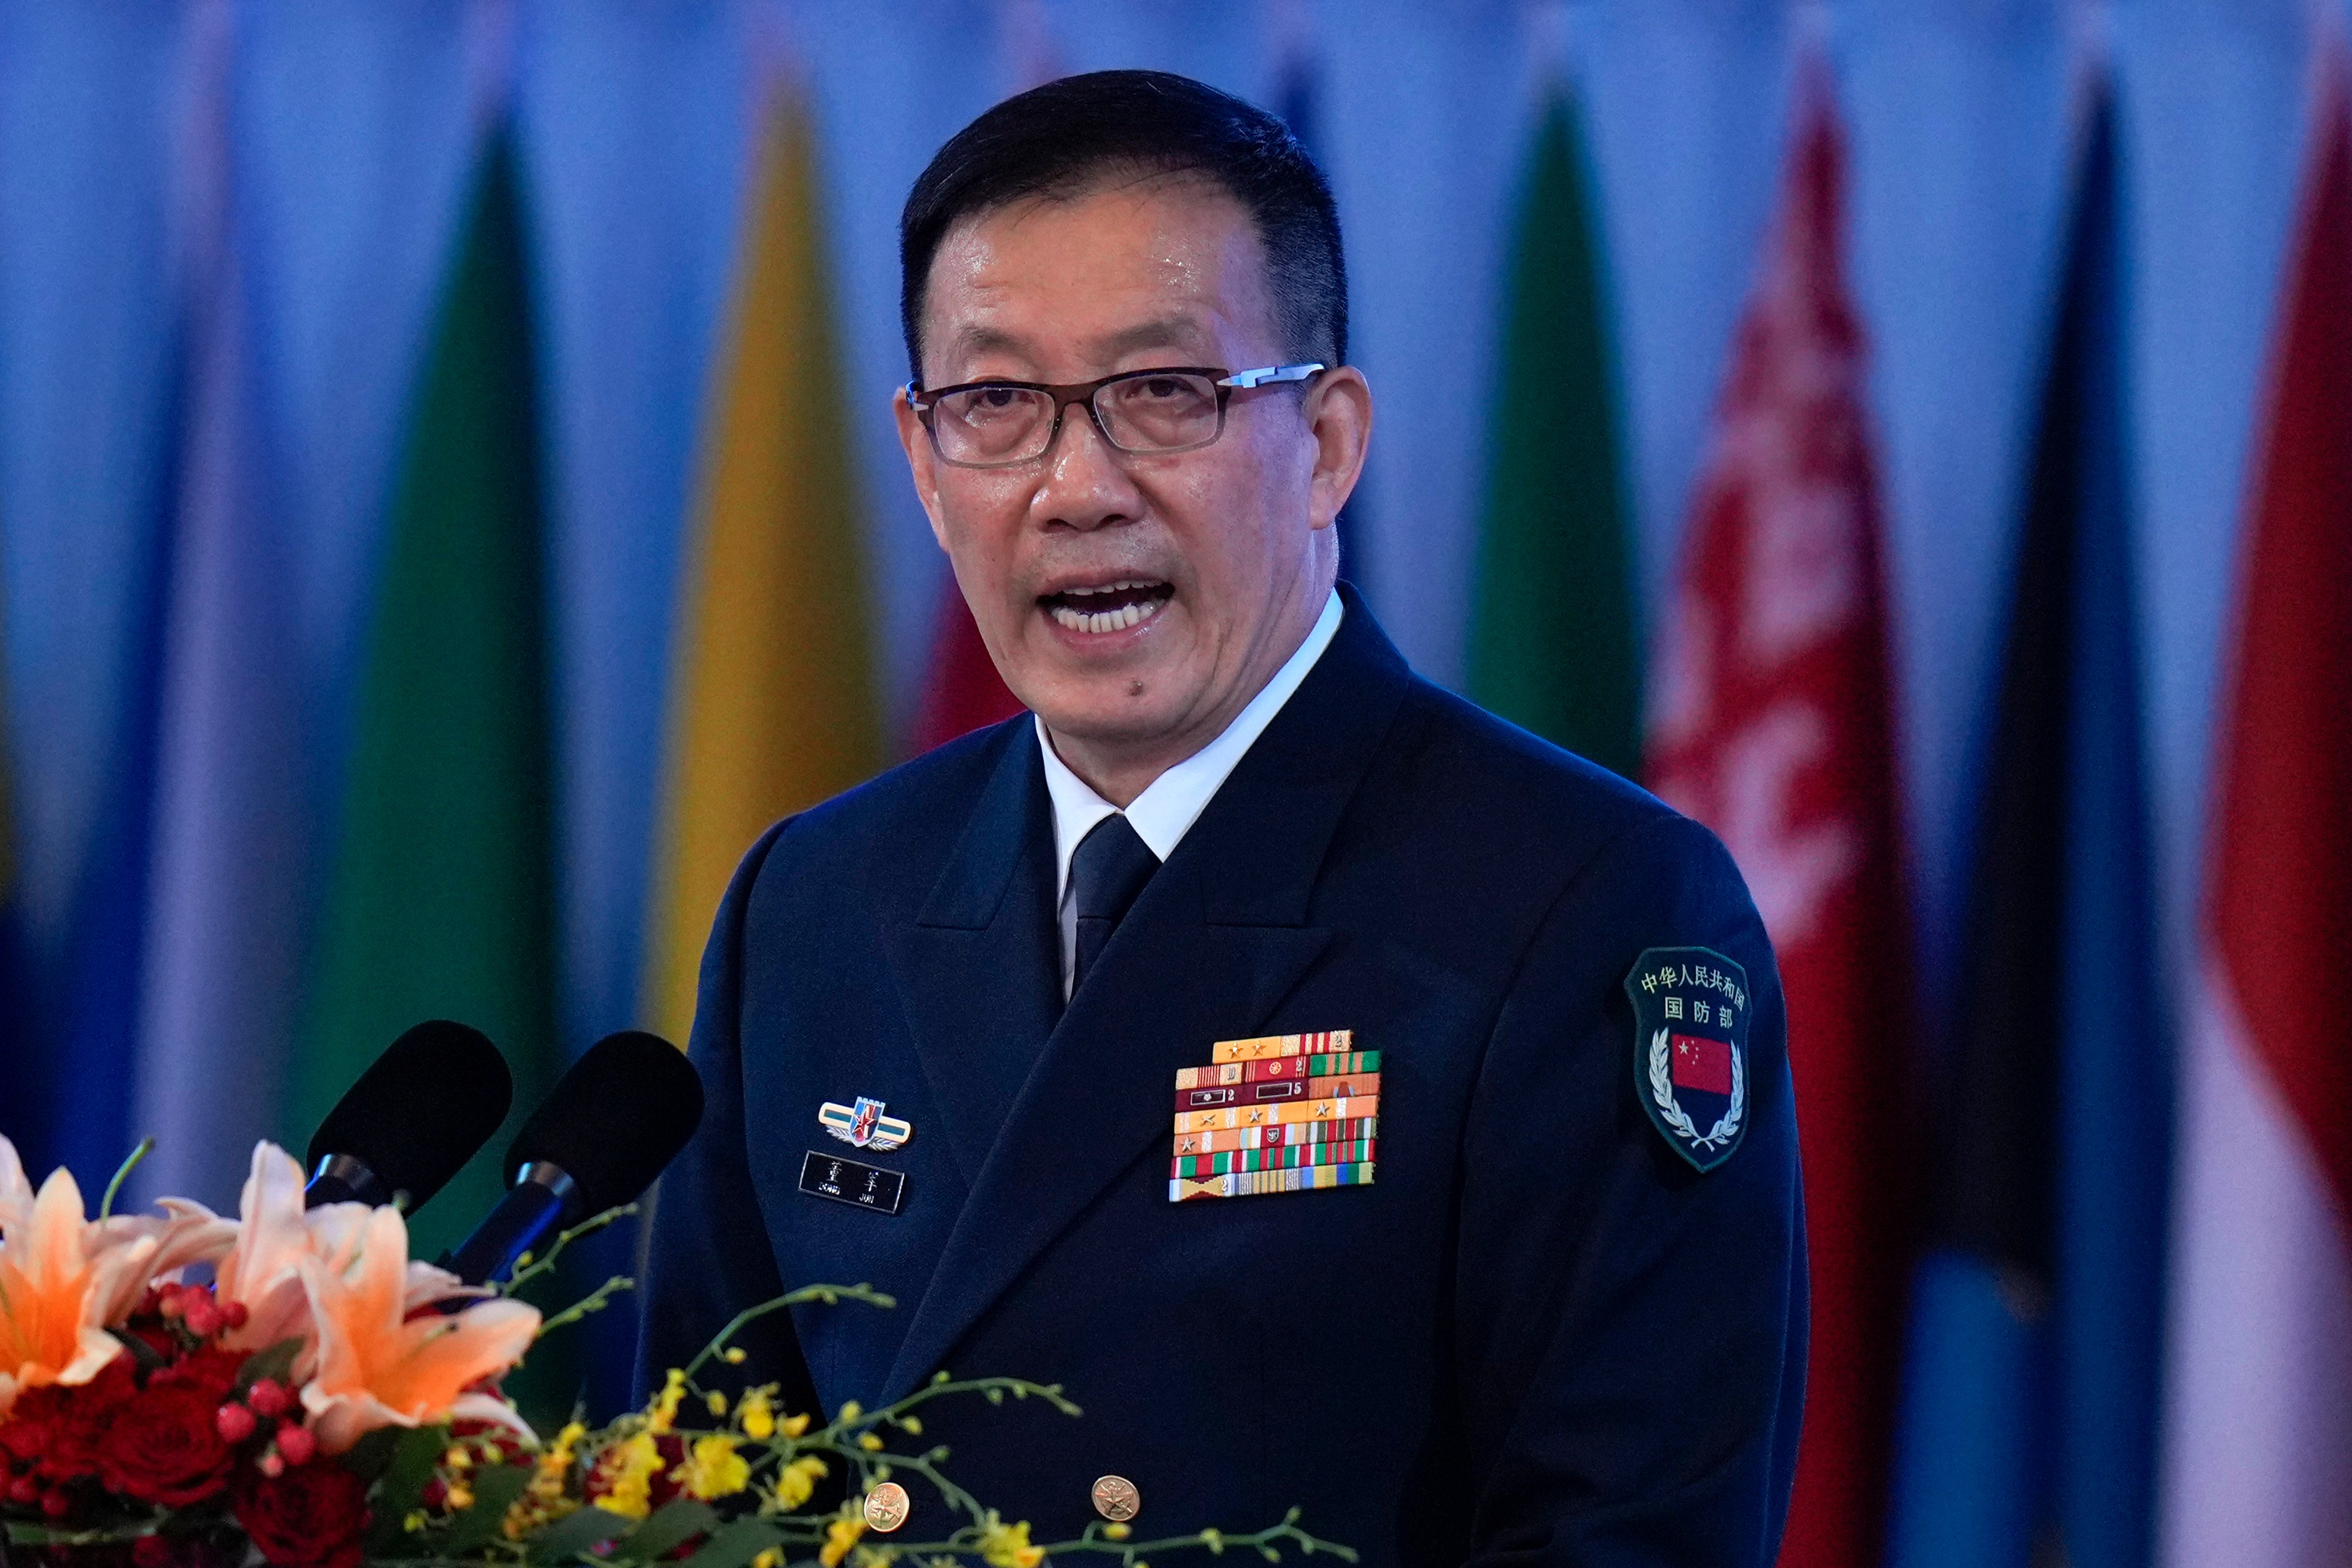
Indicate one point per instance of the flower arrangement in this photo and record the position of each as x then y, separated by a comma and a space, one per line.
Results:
323, 1401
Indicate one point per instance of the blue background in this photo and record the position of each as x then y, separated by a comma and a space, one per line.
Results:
355, 125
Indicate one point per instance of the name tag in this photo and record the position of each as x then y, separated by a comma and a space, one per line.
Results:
850, 1182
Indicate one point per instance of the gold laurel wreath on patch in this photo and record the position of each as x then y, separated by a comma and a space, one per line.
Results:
1662, 1089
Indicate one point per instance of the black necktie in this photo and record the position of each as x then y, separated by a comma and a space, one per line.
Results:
1108, 870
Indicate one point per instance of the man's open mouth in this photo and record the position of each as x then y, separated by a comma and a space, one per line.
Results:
1112, 607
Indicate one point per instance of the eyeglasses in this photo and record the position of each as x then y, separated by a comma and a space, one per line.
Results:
1002, 423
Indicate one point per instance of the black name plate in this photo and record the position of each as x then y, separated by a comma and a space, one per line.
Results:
849, 1182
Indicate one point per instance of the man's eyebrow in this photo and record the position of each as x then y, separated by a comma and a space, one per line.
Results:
1167, 331
979, 339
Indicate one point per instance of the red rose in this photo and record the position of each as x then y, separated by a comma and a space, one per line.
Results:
211, 1368
58, 1429
165, 1447
309, 1517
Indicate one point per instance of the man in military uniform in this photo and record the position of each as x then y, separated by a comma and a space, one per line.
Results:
1355, 1101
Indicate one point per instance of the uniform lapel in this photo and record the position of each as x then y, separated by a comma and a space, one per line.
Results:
980, 966
1216, 941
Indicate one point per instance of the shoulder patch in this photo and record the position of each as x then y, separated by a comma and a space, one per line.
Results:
1690, 1049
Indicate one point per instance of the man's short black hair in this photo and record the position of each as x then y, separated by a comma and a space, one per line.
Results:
1055, 140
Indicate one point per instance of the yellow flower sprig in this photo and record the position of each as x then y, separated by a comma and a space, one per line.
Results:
532, 1266
739, 1453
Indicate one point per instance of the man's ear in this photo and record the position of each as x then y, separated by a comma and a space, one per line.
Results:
1339, 414
922, 463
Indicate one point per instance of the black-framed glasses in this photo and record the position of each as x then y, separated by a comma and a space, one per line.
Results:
1002, 423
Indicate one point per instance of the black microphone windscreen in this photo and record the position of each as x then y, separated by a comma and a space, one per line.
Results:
433, 1097
624, 1112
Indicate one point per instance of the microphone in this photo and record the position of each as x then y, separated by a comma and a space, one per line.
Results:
436, 1095
601, 1137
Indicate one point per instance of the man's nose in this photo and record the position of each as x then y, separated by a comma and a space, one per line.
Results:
1086, 486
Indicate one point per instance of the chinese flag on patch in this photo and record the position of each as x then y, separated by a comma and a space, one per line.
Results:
1771, 724
1702, 1064
963, 692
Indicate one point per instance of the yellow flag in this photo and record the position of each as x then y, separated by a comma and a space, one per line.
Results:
772, 706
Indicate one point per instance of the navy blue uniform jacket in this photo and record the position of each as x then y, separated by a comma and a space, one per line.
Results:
1539, 1337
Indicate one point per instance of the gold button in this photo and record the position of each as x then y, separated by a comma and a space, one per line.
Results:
885, 1506
1116, 1499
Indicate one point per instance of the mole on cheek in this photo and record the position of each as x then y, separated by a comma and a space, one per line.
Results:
1135, 689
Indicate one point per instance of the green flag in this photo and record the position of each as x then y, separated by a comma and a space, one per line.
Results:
1553, 643
442, 902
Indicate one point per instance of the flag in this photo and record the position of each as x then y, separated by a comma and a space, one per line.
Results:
1553, 643
2030, 1411
1772, 725
229, 879
1702, 1064
17, 1032
774, 707
441, 903
962, 691
81, 1066
2259, 1396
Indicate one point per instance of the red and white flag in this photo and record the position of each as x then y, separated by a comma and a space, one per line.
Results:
1771, 723
2258, 1462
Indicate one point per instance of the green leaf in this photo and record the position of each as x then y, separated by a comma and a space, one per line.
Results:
672, 1526
149, 1360
495, 1488
372, 1455
414, 1456
51, 1535
736, 1544
276, 1361
584, 1531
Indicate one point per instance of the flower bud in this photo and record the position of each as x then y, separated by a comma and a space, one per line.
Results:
269, 1398
271, 1465
235, 1314
202, 1318
235, 1424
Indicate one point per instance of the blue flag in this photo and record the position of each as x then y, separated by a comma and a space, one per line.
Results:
222, 961
2028, 1432
81, 1067
17, 1032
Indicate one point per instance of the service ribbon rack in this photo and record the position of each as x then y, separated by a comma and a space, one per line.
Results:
1281, 1114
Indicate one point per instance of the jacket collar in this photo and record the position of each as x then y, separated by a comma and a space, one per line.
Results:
1043, 1114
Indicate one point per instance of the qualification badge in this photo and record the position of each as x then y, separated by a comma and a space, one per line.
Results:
863, 1125
1690, 1049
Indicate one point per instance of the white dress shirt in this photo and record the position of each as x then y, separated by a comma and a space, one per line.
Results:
1172, 803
